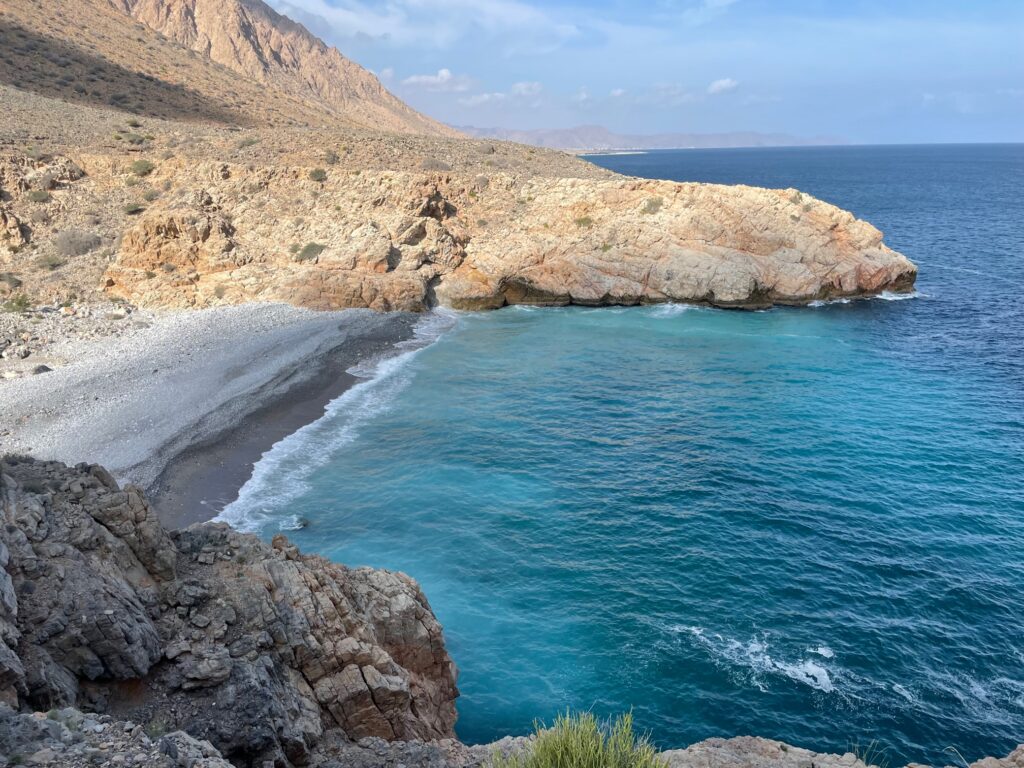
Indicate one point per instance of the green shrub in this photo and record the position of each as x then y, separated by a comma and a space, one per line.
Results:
310, 251
39, 196
331, 157
142, 167
219, 291
150, 195
318, 174
584, 222
50, 262
19, 303
133, 123
10, 279
294, 248
133, 209
653, 205
579, 741
133, 138
248, 142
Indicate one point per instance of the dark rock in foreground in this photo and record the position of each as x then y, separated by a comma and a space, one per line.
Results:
254, 647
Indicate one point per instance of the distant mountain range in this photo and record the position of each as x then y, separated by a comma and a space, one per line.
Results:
595, 137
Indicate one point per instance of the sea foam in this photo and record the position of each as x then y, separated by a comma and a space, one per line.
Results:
296, 457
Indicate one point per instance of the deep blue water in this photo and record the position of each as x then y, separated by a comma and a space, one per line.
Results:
806, 524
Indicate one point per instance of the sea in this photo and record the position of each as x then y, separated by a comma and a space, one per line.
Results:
805, 524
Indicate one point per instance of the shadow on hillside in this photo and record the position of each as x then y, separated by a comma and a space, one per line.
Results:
54, 68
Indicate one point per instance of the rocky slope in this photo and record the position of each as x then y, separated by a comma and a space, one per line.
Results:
254, 647
250, 38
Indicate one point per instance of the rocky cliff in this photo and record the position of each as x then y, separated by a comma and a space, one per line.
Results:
254, 647
253, 40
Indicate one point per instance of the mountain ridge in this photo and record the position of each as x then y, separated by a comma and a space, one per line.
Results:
251, 38
599, 138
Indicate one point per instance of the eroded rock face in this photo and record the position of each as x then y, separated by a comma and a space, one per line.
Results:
254, 647
407, 241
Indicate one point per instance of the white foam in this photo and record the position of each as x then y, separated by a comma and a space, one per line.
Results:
824, 651
281, 473
754, 655
672, 310
890, 296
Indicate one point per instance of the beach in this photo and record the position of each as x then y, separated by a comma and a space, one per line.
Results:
184, 407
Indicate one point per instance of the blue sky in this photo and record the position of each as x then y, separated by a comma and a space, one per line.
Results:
860, 70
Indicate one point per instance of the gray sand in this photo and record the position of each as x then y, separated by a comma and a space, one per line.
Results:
135, 403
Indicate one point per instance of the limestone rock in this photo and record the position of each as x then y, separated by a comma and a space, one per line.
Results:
407, 241
257, 648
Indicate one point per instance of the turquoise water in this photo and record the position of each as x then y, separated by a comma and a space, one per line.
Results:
801, 524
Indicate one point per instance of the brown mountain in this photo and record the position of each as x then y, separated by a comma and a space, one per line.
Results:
250, 38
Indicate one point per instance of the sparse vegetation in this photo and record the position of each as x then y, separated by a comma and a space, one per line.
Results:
580, 741
584, 222
142, 168
433, 164
605, 247
248, 141
133, 138
310, 251
653, 205
294, 248
150, 195
39, 196
133, 123
19, 303
331, 157
50, 261
75, 242
10, 280
219, 291
318, 175
133, 209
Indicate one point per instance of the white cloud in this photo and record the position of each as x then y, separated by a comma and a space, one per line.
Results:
443, 81
438, 23
387, 73
724, 85
479, 99
526, 89
617, 93
582, 96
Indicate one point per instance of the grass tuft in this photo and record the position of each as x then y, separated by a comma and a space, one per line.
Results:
579, 741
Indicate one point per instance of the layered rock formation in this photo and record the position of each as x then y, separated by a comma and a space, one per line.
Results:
408, 241
254, 647
251, 39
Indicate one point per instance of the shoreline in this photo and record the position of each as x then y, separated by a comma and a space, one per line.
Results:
200, 480
184, 408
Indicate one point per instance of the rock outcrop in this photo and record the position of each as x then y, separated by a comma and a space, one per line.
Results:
250, 38
408, 241
254, 647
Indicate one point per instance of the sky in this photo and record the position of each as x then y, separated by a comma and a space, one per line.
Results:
865, 71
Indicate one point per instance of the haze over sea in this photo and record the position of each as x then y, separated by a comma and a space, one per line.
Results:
804, 524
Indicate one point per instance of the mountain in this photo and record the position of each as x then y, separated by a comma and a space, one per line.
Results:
595, 137
250, 38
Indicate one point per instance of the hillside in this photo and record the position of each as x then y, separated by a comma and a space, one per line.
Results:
250, 38
181, 61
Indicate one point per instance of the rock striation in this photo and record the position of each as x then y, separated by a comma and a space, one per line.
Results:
254, 647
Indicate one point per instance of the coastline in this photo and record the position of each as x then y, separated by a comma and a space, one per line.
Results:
191, 402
